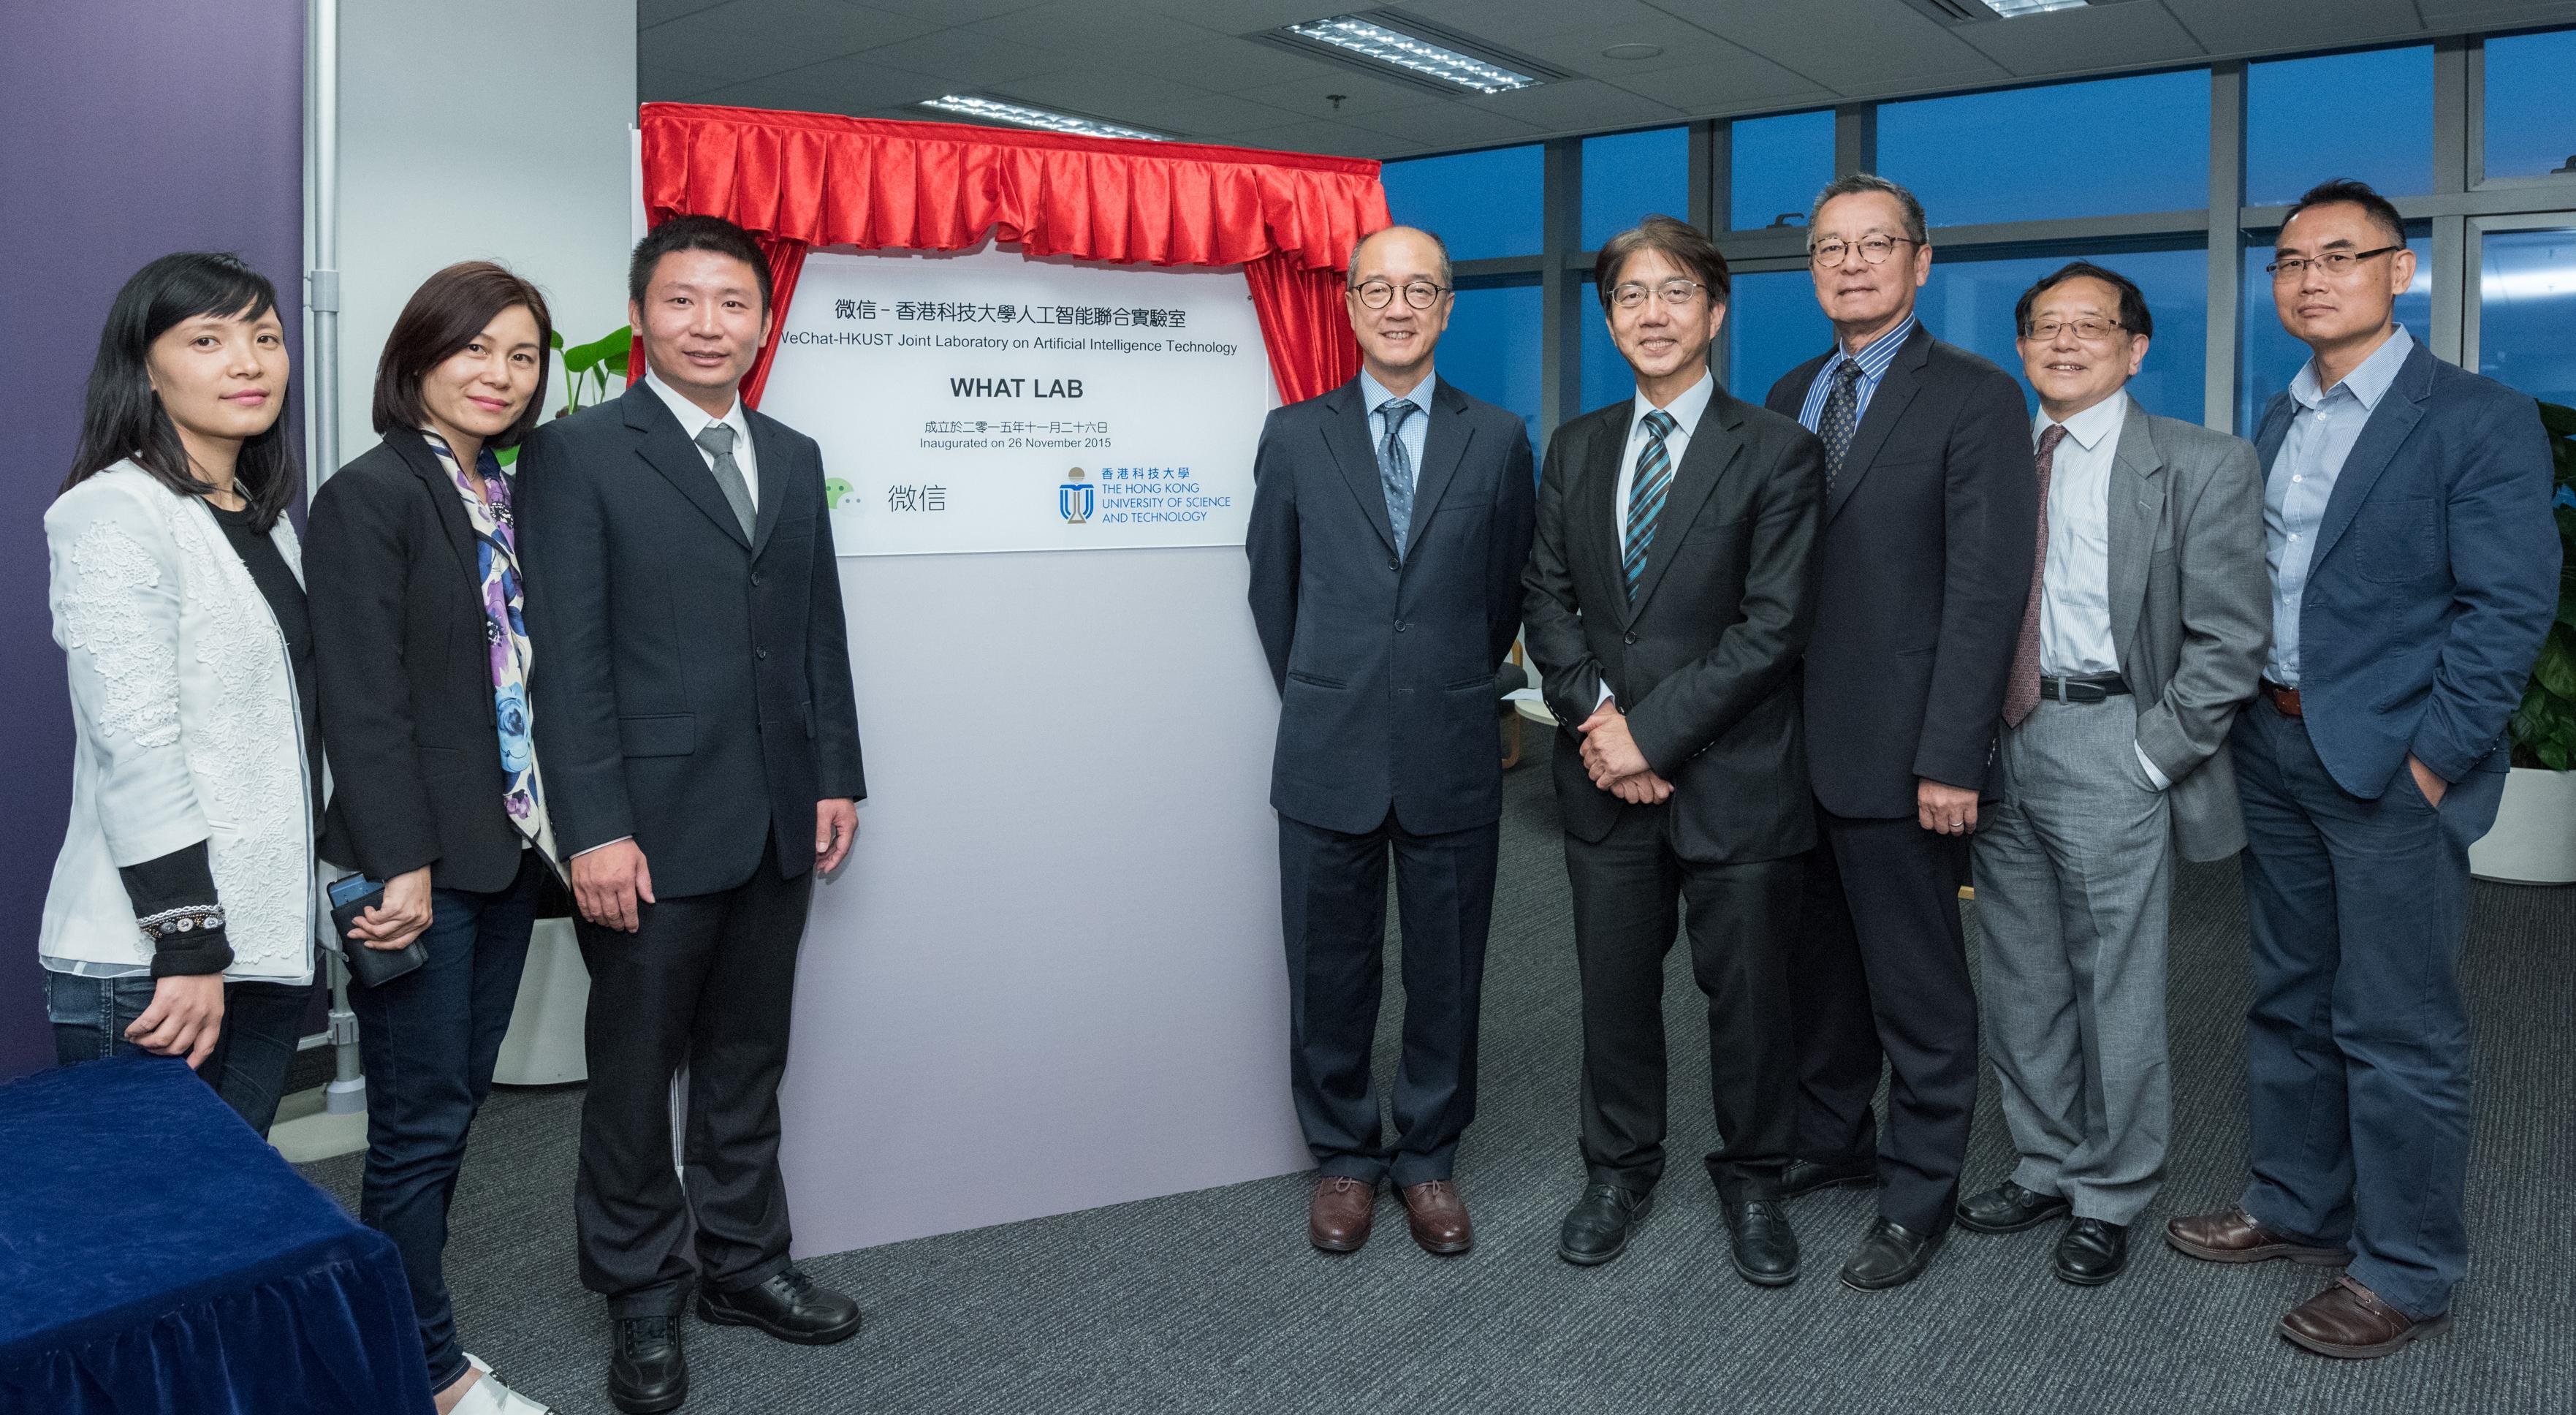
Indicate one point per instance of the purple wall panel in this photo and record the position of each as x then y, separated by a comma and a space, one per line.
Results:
132, 128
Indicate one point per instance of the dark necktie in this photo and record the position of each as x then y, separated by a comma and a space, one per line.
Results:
1395, 469
718, 440
2021, 691
1840, 419
1654, 478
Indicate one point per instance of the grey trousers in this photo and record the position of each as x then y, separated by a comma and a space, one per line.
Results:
2074, 873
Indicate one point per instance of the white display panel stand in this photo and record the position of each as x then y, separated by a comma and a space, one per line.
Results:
1050, 976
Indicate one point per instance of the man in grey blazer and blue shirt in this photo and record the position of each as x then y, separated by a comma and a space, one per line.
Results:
2142, 635
1390, 519
2414, 570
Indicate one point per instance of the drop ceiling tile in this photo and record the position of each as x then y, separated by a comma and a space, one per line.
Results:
1709, 93
1360, 94
747, 39
1246, 16
1512, 23
1101, 93
1576, 105
659, 85
2451, 15
1331, 139
951, 12
1849, 46
1445, 124
2237, 27
850, 86
2084, 41
1209, 115
1684, 45
965, 61
649, 13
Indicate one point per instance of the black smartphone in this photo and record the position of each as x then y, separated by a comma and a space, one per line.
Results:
352, 896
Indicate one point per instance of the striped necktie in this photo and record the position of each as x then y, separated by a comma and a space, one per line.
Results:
1654, 478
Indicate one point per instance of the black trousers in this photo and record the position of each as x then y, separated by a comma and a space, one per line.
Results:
1882, 978
1332, 905
1629, 889
706, 980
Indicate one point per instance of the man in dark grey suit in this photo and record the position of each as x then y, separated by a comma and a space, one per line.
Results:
701, 744
1931, 505
2143, 633
1390, 519
1668, 598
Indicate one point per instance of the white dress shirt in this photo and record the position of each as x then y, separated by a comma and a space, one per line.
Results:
1685, 410
694, 420
2075, 579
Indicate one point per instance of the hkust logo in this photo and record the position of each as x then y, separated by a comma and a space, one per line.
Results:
1073, 498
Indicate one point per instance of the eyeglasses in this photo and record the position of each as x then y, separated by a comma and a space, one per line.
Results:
1874, 249
1676, 294
2336, 264
2090, 331
1421, 294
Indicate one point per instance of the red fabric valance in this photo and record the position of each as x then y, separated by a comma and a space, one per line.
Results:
807, 180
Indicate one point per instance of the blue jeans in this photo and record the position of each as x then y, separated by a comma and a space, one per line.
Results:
429, 1040
2357, 1043
248, 1065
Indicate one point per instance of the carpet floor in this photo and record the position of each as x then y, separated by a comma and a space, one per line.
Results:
1211, 1301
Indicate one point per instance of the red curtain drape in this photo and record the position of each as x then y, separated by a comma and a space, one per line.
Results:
806, 180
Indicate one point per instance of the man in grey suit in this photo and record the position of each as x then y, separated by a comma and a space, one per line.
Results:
2144, 632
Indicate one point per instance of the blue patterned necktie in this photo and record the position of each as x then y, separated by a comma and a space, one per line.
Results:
1653, 479
1395, 469
1840, 419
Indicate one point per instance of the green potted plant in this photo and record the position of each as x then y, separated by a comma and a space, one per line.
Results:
2534, 839
588, 369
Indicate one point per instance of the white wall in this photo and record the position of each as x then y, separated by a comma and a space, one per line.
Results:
480, 129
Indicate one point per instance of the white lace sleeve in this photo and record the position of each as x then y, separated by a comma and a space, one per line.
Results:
116, 614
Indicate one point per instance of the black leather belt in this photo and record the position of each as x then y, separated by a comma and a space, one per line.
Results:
2084, 687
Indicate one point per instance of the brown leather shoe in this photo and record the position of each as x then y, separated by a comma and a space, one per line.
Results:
2348, 1320
2231, 1235
1438, 1217
1338, 1218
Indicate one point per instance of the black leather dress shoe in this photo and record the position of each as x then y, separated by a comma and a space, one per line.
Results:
1766, 1248
1596, 1228
1808, 1176
647, 1371
1891, 1256
2093, 1252
790, 1307
2009, 1208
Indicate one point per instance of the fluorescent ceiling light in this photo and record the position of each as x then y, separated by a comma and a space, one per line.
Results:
1020, 115
1365, 37
2014, 9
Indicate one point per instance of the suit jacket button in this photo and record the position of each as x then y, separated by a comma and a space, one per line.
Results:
1401, 626
760, 653
1394, 564
1631, 638
755, 582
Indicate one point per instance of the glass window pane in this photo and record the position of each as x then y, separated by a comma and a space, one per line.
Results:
2271, 356
2531, 124
1777, 166
1491, 349
2526, 309
1772, 326
1970, 303
1483, 204
1605, 373
2367, 115
2079, 149
1631, 176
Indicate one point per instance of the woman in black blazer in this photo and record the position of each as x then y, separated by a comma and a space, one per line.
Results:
424, 657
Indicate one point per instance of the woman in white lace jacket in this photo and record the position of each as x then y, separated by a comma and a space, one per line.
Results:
180, 918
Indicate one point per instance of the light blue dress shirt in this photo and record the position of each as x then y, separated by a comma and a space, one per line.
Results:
1417, 424
2322, 431
1873, 362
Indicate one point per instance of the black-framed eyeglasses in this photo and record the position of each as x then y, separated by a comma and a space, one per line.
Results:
2335, 264
2089, 329
1378, 294
1873, 249
1676, 294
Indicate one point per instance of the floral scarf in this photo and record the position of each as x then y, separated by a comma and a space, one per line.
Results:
505, 631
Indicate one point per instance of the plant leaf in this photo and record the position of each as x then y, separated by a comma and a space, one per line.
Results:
585, 357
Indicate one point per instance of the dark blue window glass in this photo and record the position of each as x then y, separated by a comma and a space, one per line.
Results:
2272, 356
2367, 115
1970, 303
2028, 154
1606, 378
1776, 167
1772, 326
1631, 176
1482, 203
2531, 104
1491, 349
2526, 310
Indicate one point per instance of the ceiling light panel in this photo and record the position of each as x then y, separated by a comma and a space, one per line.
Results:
1021, 115
1415, 50
2014, 9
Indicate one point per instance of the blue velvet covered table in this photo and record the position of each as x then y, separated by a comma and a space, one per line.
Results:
155, 1255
